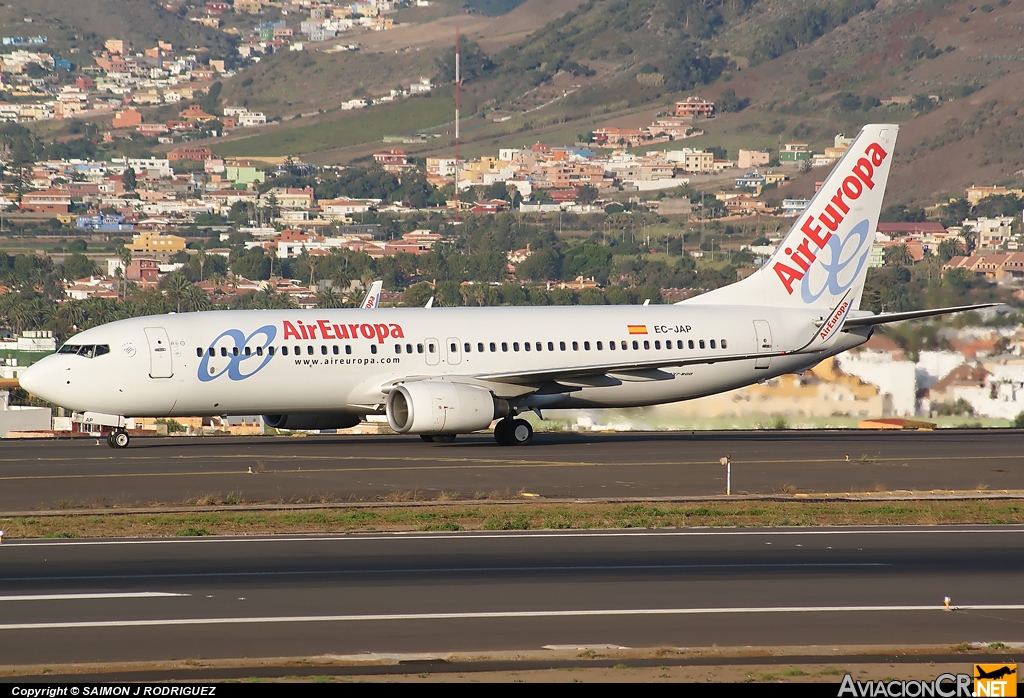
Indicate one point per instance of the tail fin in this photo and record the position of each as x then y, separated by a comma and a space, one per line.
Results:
824, 257
372, 299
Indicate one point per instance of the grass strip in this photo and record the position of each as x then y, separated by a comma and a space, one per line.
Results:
514, 517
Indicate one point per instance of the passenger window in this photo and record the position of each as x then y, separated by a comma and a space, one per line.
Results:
724, 345
561, 345
348, 348
199, 351
657, 344
480, 347
611, 345
398, 348
647, 345
408, 348
373, 348
467, 346
679, 344
298, 350
624, 346
454, 348
636, 344
586, 346
211, 351
515, 346
234, 351
259, 351
712, 344
248, 351
270, 350
526, 346
702, 344
551, 346
223, 351
575, 346
504, 346
494, 347
323, 349
335, 350
690, 344
539, 346
431, 348
284, 351
309, 349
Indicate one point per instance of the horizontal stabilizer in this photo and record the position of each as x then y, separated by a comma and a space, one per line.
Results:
870, 320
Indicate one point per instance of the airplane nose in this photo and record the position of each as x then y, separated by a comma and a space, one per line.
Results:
40, 379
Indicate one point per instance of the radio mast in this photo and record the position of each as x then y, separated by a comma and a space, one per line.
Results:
457, 80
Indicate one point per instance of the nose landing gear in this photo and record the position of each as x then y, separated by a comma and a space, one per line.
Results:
118, 439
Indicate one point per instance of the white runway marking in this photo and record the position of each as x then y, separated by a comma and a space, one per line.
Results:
77, 597
495, 615
476, 535
457, 570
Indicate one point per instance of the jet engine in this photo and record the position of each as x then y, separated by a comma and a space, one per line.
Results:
441, 407
313, 420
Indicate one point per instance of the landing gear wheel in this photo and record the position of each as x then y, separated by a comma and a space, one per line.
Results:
513, 432
521, 433
110, 440
444, 438
427, 437
501, 432
119, 439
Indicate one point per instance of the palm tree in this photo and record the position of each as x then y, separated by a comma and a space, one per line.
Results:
201, 258
970, 239
125, 255
899, 255
177, 289
195, 299
329, 298
949, 248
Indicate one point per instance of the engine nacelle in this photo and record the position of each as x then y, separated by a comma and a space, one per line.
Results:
313, 420
441, 407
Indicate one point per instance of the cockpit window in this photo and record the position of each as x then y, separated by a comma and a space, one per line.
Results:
89, 351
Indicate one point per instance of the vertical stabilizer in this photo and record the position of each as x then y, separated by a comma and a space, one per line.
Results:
824, 257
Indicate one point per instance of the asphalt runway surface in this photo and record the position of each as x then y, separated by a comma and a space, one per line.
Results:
49, 474
309, 596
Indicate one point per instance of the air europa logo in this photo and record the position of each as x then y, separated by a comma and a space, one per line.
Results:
379, 331
818, 229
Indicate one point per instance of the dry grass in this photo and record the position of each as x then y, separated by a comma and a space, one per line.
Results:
526, 516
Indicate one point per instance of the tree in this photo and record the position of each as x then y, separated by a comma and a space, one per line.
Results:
587, 194
177, 289
898, 255
78, 266
949, 248
128, 179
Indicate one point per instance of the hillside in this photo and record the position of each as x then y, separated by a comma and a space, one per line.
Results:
85, 24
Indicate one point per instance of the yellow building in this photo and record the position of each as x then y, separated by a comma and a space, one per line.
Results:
156, 243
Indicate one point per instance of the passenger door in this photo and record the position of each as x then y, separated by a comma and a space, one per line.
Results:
763, 335
160, 362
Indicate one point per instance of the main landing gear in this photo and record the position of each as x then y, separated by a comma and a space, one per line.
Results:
118, 439
513, 432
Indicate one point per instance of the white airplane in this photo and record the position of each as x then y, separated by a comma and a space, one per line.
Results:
439, 372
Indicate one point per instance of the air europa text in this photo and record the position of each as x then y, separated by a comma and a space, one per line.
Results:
849, 190
379, 331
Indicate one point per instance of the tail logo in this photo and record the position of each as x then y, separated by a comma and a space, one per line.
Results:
819, 229
838, 277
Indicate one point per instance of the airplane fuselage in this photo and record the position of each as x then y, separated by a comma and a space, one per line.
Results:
281, 361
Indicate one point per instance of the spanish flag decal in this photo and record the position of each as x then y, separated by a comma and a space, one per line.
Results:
637, 329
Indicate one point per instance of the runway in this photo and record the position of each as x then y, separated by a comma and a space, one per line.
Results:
149, 600
42, 475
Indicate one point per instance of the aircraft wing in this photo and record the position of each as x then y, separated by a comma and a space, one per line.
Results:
871, 320
616, 371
